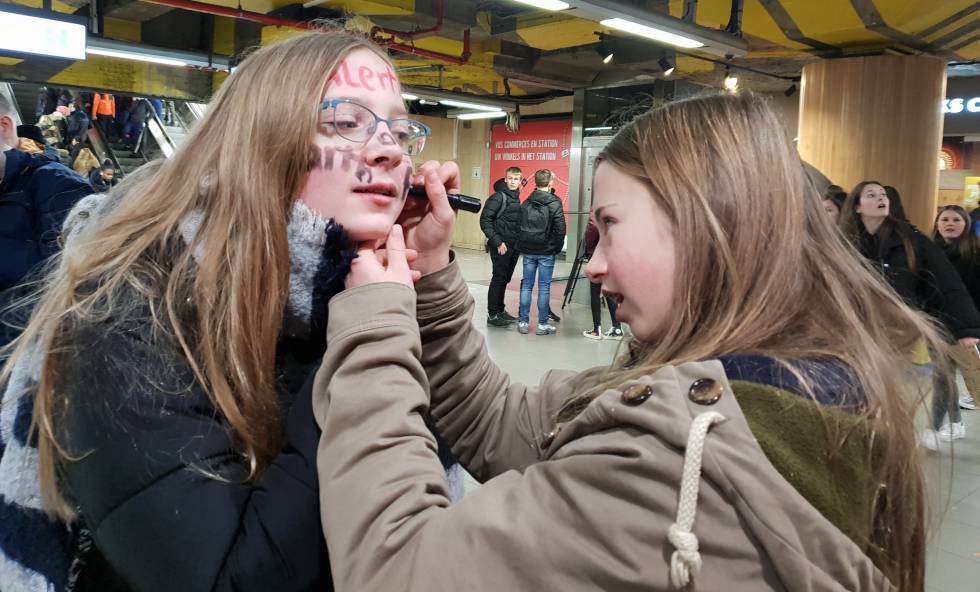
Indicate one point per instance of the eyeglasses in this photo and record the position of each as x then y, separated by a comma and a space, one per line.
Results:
357, 123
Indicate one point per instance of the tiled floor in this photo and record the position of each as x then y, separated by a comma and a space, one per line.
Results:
954, 549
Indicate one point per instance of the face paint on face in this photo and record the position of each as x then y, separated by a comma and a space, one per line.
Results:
362, 185
365, 78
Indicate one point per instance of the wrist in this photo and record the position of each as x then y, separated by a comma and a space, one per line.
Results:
429, 263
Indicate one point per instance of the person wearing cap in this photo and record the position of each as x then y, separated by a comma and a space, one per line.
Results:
36, 192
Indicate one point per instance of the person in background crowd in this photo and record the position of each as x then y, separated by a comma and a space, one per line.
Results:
499, 220
85, 163
833, 201
32, 141
78, 123
895, 201
46, 102
595, 294
953, 232
753, 437
540, 235
158, 108
64, 98
165, 360
103, 178
36, 192
104, 112
138, 111
922, 276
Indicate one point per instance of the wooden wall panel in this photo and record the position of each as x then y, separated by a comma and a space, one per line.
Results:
468, 147
876, 118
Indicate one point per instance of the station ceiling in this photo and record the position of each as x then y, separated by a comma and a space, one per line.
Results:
521, 51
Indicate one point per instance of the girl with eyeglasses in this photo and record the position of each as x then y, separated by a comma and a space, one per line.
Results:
151, 403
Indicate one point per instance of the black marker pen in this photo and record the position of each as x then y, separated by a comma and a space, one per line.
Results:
456, 200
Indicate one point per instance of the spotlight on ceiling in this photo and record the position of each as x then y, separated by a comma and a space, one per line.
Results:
791, 90
607, 59
666, 66
731, 82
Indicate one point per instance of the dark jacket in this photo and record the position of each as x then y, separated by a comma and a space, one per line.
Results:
932, 286
969, 270
500, 216
98, 183
35, 195
138, 505
556, 230
591, 239
78, 124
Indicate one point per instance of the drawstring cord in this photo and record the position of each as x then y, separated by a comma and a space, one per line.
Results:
685, 562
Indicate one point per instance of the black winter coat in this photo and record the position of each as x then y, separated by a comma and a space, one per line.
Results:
35, 195
933, 286
969, 270
500, 216
149, 438
556, 230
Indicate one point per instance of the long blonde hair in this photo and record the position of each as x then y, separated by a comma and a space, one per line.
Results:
241, 172
766, 273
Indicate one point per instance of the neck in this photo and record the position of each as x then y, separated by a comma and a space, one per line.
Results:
872, 223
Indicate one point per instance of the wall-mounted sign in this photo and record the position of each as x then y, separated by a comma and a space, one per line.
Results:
22, 33
538, 145
959, 105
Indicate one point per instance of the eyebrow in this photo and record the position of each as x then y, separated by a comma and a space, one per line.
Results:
598, 212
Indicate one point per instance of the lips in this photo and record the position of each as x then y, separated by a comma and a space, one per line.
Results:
382, 189
614, 296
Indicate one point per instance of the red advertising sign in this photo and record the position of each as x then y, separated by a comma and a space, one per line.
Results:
538, 145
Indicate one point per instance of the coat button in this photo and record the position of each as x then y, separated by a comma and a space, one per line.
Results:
637, 394
705, 391
549, 438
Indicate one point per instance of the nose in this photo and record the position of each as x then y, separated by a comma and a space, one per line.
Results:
381, 149
596, 269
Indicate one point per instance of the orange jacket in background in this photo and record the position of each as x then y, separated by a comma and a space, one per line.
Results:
103, 104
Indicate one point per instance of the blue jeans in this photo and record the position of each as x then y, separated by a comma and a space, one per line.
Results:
544, 266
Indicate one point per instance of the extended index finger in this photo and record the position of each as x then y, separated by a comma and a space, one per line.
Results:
395, 249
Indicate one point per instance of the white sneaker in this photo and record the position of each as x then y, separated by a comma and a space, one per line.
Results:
593, 334
522, 327
967, 402
546, 330
929, 440
614, 333
952, 431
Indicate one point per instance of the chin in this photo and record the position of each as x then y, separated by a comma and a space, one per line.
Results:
362, 231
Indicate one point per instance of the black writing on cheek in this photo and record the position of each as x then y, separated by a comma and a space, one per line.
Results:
363, 174
326, 159
347, 160
408, 182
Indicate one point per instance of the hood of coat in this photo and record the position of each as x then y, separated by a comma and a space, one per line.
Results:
542, 197
806, 549
18, 162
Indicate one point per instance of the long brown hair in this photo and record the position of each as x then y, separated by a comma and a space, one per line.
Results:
966, 245
240, 171
766, 273
851, 225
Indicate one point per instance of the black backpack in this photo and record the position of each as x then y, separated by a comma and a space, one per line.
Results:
535, 225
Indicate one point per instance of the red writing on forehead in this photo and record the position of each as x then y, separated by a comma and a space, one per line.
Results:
365, 78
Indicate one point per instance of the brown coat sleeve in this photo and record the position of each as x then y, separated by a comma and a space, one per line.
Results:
567, 524
491, 424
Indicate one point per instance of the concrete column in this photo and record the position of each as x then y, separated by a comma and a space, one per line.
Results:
877, 118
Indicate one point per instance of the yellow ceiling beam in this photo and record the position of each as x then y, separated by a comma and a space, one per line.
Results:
911, 16
559, 34
373, 7
123, 30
